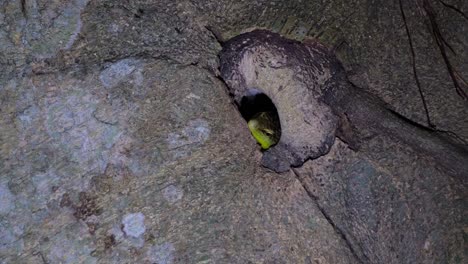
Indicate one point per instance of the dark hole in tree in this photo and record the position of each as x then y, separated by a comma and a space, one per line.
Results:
251, 105
258, 106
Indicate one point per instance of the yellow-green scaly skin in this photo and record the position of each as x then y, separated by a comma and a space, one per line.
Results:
264, 130
261, 138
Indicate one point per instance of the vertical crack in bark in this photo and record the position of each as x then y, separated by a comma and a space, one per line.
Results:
453, 73
457, 79
23, 8
454, 8
335, 227
413, 63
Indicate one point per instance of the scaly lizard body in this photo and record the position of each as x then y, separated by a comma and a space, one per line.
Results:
265, 128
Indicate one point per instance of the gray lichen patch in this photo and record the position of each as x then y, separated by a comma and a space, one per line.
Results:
9, 239
63, 26
197, 131
295, 77
118, 71
173, 193
71, 245
6, 200
134, 224
162, 254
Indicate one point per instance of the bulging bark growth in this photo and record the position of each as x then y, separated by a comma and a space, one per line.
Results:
315, 102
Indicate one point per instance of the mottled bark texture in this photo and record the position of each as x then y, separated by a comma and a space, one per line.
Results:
119, 142
310, 90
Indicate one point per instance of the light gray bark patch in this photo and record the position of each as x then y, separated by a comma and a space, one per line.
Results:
117, 72
72, 245
196, 131
162, 254
134, 224
173, 193
6, 200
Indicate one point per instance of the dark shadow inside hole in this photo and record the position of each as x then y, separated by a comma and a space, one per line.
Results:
251, 105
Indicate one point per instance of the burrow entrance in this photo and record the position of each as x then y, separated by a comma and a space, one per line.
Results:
259, 107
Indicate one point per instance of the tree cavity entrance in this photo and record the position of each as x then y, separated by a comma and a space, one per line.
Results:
262, 118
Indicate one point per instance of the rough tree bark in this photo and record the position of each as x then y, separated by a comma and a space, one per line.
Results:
119, 142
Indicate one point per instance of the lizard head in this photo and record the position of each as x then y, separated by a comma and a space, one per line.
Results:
265, 128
